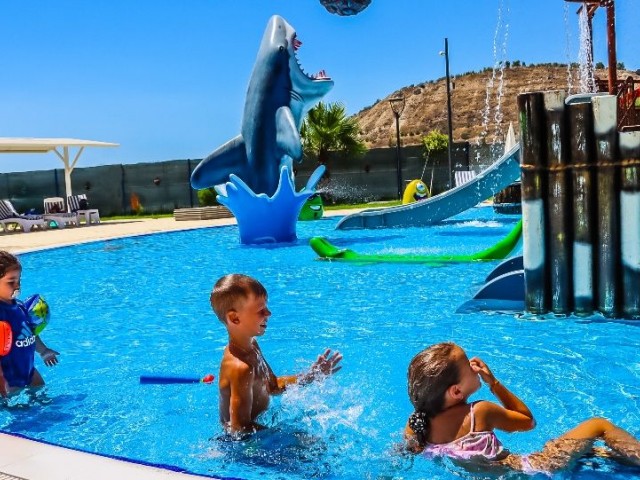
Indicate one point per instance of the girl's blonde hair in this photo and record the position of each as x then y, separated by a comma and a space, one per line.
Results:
431, 373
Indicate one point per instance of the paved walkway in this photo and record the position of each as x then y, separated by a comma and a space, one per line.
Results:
36, 240
21, 242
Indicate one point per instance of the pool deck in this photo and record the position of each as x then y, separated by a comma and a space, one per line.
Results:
24, 459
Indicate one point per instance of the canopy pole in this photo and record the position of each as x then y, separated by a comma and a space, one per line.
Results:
64, 156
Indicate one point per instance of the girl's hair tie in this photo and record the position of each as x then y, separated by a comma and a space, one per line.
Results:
418, 421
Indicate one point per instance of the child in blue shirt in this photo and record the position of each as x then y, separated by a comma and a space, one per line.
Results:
17, 369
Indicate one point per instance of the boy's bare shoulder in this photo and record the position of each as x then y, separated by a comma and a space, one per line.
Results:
234, 366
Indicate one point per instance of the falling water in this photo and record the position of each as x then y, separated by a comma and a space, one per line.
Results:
497, 74
587, 79
568, 48
498, 134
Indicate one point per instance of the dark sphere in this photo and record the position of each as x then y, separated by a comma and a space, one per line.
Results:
345, 7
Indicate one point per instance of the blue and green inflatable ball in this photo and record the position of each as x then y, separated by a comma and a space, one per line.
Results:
39, 313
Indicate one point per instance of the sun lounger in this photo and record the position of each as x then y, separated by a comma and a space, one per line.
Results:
9, 216
54, 213
78, 204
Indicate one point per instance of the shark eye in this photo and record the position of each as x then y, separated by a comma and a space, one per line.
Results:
281, 48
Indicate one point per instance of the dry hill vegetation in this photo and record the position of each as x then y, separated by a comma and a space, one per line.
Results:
426, 104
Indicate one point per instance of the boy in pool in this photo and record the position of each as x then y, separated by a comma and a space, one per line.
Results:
246, 380
442, 378
17, 369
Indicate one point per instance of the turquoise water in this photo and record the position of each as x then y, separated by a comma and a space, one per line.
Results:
136, 306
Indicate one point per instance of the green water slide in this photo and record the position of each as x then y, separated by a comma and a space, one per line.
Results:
502, 249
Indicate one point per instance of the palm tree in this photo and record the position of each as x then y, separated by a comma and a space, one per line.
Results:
327, 128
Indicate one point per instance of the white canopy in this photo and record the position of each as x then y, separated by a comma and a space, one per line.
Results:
59, 145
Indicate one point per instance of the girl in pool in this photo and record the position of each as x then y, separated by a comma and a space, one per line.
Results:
442, 378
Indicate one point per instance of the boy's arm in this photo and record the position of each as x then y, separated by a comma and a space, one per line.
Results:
326, 364
49, 356
241, 399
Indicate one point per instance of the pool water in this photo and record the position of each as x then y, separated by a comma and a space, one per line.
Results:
140, 305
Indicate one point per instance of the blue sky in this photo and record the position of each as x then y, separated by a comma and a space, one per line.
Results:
166, 79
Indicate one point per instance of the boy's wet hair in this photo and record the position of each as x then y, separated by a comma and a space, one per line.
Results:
431, 373
230, 290
8, 262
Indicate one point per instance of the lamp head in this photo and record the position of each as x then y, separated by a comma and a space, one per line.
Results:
397, 105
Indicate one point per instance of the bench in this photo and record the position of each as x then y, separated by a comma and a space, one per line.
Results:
201, 213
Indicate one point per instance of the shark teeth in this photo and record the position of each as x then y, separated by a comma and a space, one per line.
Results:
321, 75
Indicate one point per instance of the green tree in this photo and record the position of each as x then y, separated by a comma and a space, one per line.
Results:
207, 197
327, 128
434, 142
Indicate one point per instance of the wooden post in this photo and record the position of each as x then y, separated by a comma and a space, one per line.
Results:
560, 241
533, 153
608, 258
630, 224
581, 152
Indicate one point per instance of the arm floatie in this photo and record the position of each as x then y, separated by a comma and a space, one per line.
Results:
6, 338
39, 313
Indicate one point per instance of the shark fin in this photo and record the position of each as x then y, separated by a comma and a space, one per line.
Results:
225, 160
287, 135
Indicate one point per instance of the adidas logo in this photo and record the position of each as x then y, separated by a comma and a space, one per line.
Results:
26, 337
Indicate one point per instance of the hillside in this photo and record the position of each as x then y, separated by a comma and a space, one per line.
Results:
426, 105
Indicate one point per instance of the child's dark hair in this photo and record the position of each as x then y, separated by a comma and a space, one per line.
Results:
431, 373
231, 289
8, 262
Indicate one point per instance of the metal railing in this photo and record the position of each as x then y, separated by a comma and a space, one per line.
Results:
628, 94
629, 105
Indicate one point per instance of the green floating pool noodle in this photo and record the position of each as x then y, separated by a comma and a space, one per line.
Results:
500, 250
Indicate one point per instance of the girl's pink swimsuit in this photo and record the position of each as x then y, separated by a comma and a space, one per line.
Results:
472, 445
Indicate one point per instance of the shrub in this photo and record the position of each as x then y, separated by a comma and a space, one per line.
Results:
207, 197
434, 142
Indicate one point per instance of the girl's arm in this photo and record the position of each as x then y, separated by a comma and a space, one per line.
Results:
514, 415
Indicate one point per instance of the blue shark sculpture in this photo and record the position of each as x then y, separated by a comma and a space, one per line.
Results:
279, 95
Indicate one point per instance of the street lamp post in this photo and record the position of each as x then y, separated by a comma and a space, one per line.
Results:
397, 106
450, 146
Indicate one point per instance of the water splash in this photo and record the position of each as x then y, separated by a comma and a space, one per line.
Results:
263, 219
585, 55
341, 191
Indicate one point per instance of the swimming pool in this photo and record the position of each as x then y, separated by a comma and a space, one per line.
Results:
140, 305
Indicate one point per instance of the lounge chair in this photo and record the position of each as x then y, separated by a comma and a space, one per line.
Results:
463, 176
54, 213
78, 204
9, 216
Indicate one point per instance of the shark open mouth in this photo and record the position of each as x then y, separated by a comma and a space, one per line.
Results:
321, 75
